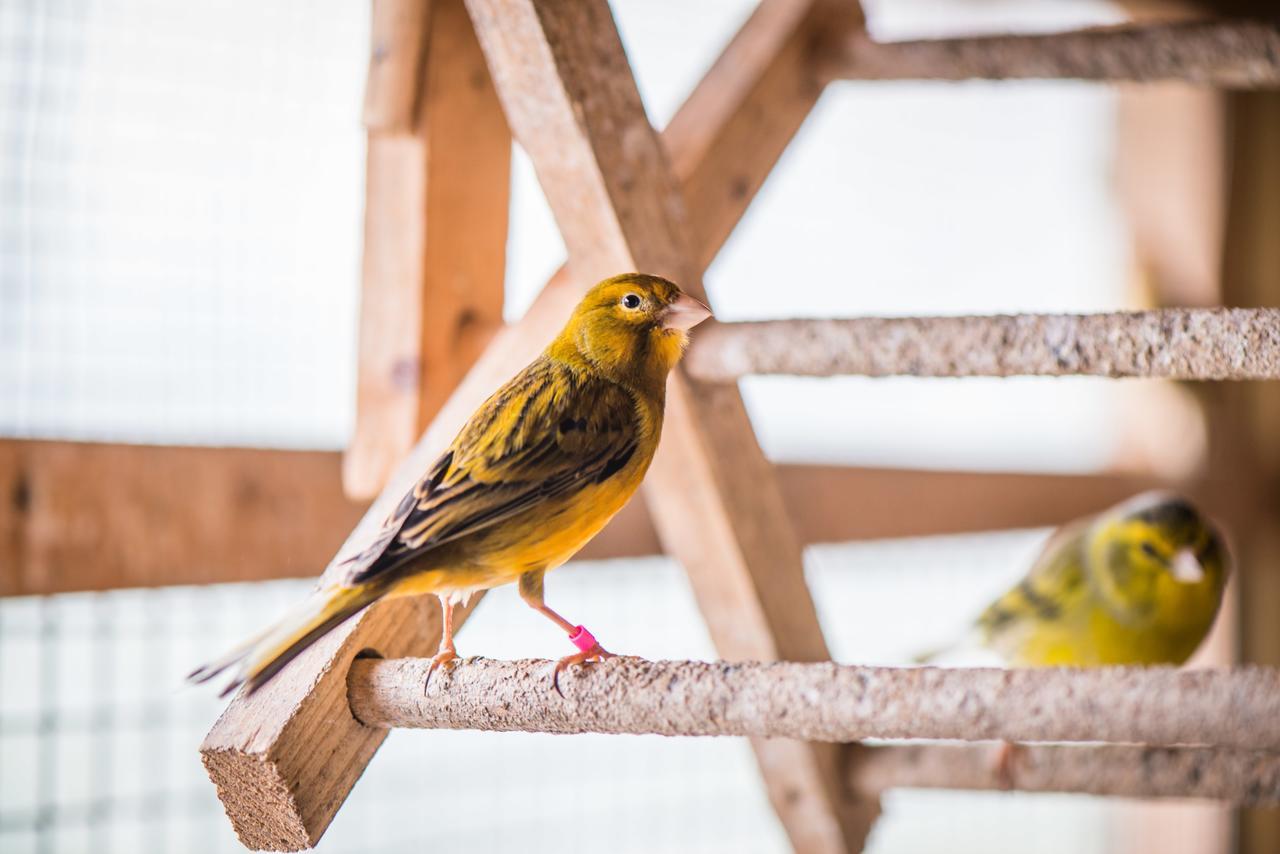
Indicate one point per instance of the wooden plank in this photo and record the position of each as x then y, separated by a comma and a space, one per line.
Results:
571, 101
434, 253
398, 37
80, 516
761, 89
260, 746
1170, 175
1246, 419
84, 516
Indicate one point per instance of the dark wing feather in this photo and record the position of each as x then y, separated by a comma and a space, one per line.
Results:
1051, 590
546, 433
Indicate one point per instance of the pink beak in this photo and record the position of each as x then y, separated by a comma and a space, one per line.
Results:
685, 313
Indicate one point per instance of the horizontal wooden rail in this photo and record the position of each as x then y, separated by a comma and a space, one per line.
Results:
829, 702
85, 516
1242, 777
1172, 343
1224, 53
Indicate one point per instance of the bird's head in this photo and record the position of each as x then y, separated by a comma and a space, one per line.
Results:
1156, 552
633, 328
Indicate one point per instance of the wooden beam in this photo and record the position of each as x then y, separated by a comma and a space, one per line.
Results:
1170, 180
572, 103
1246, 419
398, 40
759, 91
79, 516
437, 198
1227, 53
84, 516
1246, 777
258, 745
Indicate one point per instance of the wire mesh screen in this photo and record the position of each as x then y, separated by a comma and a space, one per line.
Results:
179, 220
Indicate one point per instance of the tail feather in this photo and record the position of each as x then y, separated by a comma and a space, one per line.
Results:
263, 656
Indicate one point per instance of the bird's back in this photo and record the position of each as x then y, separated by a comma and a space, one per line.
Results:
535, 473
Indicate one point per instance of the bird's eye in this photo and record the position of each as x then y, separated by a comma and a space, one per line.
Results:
631, 301
1149, 550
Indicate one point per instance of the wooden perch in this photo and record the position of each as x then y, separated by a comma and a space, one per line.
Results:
1229, 54
1187, 344
1243, 777
829, 702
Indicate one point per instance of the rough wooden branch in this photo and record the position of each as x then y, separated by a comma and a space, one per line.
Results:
1229, 53
1242, 777
1189, 344
830, 702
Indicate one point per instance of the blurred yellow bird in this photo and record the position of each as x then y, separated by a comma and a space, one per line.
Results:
1140, 583
534, 474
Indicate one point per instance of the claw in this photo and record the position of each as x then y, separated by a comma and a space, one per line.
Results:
595, 653
448, 655
1006, 759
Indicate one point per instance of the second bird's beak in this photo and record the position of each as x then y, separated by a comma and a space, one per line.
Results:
685, 313
1186, 567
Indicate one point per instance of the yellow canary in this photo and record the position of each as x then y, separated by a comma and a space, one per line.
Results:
1138, 584
534, 474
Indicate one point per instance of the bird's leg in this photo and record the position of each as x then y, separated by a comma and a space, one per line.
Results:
1006, 759
589, 648
446, 654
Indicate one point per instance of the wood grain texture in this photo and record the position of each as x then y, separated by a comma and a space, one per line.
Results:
750, 104
80, 516
1237, 54
571, 101
1246, 777
393, 86
1245, 420
84, 516
236, 757
434, 250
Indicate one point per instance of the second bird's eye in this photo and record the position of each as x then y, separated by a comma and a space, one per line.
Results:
1150, 550
631, 301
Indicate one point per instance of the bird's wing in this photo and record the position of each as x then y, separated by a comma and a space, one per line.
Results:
546, 433
1053, 587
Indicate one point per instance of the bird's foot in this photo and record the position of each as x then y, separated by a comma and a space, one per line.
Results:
589, 649
1006, 760
447, 655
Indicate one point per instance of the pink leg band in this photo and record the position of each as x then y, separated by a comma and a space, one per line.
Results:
583, 639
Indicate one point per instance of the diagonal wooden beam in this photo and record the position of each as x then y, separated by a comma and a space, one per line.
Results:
259, 753
437, 190
571, 101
